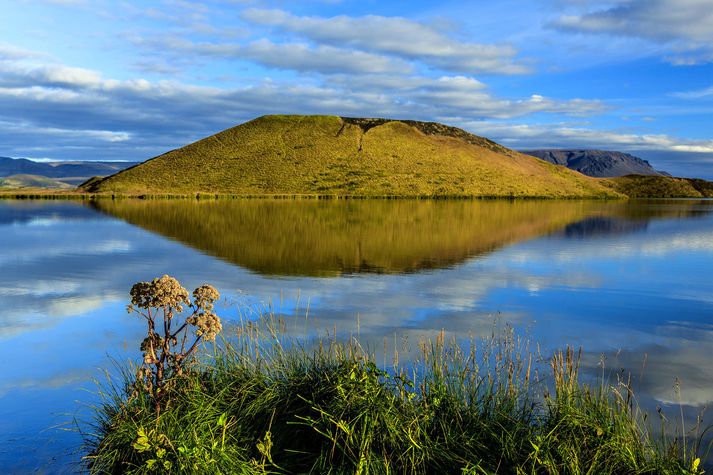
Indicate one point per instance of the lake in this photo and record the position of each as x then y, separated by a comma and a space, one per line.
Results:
630, 282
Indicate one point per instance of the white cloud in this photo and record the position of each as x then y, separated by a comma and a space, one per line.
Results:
293, 56
682, 26
397, 36
698, 94
79, 107
10, 52
322, 58
564, 136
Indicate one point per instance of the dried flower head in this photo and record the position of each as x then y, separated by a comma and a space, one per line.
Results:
163, 292
204, 297
208, 325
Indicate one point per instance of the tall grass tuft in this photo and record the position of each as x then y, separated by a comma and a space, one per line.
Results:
264, 402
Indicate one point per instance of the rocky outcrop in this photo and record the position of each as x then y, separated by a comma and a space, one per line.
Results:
597, 163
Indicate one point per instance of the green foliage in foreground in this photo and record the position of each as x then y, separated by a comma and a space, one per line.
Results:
259, 407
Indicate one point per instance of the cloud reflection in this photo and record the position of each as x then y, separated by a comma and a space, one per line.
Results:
602, 291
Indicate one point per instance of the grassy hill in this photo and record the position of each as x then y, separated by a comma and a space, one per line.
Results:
651, 186
328, 155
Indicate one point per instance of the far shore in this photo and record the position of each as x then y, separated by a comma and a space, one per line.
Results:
44, 194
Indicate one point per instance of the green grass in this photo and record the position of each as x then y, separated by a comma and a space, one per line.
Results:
327, 155
268, 404
652, 186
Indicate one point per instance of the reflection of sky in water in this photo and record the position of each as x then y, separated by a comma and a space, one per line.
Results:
66, 271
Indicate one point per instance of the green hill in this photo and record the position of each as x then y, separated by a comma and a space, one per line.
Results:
652, 186
328, 155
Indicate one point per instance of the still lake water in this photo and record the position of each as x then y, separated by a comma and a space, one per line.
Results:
628, 280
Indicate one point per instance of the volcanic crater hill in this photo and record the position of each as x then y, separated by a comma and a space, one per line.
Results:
597, 163
339, 156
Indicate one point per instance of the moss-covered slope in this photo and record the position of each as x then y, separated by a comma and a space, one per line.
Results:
328, 155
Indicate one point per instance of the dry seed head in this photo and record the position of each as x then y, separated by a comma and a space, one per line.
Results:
163, 292
208, 325
204, 297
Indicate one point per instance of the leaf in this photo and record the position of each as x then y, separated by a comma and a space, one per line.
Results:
142, 443
223, 419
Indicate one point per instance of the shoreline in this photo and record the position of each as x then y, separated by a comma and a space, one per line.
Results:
86, 196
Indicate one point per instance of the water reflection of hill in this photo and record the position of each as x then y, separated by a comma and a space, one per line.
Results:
23, 211
631, 217
337, 236
603, 226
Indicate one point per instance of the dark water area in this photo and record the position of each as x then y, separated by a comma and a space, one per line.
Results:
630, 282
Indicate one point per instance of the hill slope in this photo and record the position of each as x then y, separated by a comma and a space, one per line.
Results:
328, 155
648, 186
597, 163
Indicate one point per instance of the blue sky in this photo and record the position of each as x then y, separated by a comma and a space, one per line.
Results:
128, 80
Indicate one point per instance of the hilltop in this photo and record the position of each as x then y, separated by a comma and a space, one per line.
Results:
329, 155
597, 163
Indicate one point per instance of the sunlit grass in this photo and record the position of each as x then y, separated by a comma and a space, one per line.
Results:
326, 155
652, 186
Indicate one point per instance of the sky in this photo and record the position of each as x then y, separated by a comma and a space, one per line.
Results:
129, 80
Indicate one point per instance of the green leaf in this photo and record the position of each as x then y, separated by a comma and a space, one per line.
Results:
223, 419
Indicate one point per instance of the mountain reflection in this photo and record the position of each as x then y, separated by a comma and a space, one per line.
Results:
627, 281
332, 237
632, 217
21, 211
602, 226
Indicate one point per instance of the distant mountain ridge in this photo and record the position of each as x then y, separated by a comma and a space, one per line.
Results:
68, 172
597, 163
32, 181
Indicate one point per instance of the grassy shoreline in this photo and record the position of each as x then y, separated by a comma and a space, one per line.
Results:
80, 195
267, 404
